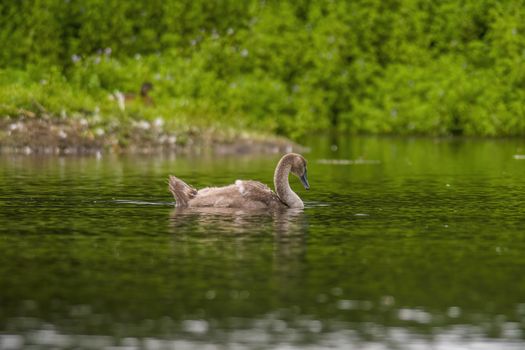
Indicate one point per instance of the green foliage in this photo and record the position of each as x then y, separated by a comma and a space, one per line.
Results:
396, 66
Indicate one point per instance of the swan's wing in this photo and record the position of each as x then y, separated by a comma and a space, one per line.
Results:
257, 191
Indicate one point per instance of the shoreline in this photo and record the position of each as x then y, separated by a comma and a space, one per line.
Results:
30, 134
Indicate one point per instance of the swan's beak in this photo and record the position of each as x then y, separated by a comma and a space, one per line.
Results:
304, 181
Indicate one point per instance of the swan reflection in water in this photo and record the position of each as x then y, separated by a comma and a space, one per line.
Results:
224, 229
234, 221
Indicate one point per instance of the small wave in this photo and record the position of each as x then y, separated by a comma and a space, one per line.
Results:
348, 161
315, 204
136, 202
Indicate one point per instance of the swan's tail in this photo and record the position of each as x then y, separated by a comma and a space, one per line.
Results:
182, 192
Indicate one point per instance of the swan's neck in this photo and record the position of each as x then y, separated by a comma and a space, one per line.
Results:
282, 186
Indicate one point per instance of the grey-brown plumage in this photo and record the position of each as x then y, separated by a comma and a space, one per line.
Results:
246, 194
182, 192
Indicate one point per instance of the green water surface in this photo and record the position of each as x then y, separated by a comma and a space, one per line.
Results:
403, 244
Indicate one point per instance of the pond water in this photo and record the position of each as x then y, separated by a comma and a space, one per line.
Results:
403, 244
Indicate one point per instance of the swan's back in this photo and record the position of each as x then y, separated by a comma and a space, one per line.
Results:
245, 194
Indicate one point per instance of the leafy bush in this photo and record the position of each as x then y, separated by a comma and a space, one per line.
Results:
395, 66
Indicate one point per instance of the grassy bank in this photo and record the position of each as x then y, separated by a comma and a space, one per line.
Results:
286, 67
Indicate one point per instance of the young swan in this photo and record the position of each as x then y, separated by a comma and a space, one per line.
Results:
247, 194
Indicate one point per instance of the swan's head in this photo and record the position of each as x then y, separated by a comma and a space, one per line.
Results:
299, 168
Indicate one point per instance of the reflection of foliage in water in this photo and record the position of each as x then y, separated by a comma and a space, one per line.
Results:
428, 239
